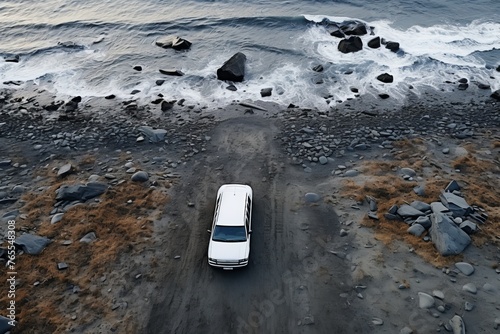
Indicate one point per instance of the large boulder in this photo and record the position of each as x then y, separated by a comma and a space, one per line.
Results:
448, 238
355, 28
456, 204
351, 44
80, 192
233, 69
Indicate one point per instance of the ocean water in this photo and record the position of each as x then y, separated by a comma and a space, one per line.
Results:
88, 48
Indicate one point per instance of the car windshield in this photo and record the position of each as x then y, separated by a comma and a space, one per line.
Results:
229, 233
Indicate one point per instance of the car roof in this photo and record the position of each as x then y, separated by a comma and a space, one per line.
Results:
232, 205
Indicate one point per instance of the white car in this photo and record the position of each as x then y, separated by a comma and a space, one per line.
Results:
229, 245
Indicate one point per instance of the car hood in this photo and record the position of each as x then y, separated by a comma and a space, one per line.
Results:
218, 250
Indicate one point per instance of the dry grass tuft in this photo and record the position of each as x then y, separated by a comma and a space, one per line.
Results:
120, 227
478, 179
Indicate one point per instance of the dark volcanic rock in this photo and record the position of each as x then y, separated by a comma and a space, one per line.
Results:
32, 244
137, 68
172, 72
352, 44
463, 86
173, 42
496, 95
266, 92
165, 105
385, 78
180, 44
448, 238
154, 135
110, 97
333, 28
233, 69
384, 96
355, 28
393, 46
12, 59
318, 68
159, 82
232, 88
80, 192
374, 43
53, 106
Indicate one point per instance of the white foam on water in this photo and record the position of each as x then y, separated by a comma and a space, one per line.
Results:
430, 55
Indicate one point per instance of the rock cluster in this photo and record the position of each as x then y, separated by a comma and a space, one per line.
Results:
448, 222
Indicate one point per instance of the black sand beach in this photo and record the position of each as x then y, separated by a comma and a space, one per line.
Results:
315, 267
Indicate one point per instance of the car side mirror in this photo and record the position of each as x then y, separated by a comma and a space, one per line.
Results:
209, 231
250, 232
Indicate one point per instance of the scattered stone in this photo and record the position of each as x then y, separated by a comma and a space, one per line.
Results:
457, 325
62, 266
166, 106
318, 68
233, 69
408, 171
496, 95
470, 287
407, 211
425, 301
465, 268
377, 321
56, 218
351, 173
232, 88
343, 233
88, 238
456, 204
80, 192
416, 230
65, 170
137, 68
351, 44
452, 186
421, 206
419, 190
153, 135
424, 221
173, 42
448, 238
374, 43
438, 294
372, 203
172, 72
393, 46
406, 330
323, 160
264, 92
140, 176
469, 306
312, 197
385, 78
32, 244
